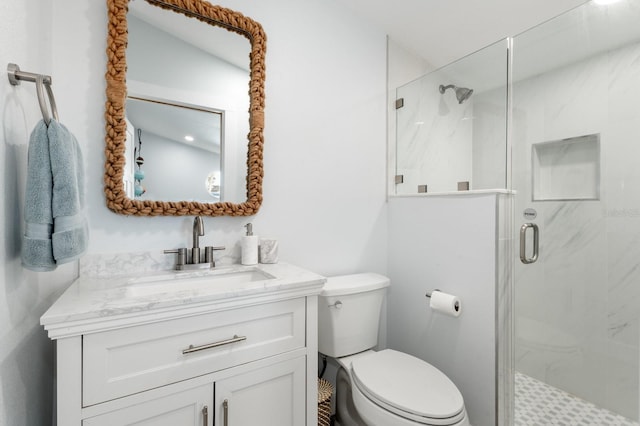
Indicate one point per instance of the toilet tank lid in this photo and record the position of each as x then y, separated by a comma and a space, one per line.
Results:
355, 283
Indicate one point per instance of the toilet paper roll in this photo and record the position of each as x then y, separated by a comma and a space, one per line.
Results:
445, 303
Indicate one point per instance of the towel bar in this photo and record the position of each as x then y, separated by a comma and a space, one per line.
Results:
42, 81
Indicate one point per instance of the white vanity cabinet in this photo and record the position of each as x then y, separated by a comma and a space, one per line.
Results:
205, 358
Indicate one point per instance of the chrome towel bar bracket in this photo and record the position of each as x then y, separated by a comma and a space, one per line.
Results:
15, 75
43, 82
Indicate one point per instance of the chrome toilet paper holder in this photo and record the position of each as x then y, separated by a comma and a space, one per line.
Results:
429, 292
456, 306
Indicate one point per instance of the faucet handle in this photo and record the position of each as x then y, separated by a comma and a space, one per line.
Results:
181, 258
208, 254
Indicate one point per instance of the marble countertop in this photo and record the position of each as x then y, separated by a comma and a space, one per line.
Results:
97, 304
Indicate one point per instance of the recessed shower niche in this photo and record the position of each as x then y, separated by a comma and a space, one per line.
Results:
566, 169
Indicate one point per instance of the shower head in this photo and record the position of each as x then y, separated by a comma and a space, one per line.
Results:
462, 93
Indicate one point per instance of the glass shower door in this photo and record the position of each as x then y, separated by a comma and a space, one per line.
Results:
576, 173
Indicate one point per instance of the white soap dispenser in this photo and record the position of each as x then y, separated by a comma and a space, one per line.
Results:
249, 247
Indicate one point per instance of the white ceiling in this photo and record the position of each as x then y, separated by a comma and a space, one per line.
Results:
441, 31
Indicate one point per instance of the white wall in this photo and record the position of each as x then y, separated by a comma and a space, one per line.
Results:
447, 243
324, 138
26, 354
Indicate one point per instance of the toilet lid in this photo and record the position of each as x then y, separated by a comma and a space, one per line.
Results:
407, 384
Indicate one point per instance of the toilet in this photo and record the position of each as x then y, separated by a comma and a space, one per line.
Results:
378, 388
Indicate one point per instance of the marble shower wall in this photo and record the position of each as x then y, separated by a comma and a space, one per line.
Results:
577, 307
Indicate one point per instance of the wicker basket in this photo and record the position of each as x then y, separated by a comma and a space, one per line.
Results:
325, 390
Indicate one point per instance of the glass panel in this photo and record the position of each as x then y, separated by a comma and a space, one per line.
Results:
452, 127
576, 308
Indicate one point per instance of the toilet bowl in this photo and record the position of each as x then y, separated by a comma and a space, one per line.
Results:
384, 388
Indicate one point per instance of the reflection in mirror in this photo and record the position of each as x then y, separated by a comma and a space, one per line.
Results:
179, 70
166, 135
163, 47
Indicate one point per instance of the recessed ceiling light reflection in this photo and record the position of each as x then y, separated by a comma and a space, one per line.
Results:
188, 138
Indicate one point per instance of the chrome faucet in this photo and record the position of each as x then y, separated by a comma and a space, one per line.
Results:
195, 261
198, 231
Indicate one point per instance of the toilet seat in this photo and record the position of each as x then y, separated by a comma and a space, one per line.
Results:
408, 387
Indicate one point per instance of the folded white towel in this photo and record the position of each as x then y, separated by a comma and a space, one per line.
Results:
56, 228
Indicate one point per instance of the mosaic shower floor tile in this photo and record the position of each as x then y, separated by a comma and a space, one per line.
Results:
538, 404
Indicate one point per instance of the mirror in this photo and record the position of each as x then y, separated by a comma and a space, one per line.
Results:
232, 184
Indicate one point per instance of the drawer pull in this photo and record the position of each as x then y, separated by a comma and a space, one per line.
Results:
225, 410
205, 416
192, 348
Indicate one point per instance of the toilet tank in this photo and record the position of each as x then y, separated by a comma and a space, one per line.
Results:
349, 313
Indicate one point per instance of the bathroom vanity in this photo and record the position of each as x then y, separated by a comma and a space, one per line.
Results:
235, 346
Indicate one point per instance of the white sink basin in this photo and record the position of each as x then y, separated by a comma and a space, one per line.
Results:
214, 280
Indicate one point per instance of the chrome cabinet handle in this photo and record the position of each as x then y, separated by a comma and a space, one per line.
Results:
225, 412
234, 339
205, 416
523, 243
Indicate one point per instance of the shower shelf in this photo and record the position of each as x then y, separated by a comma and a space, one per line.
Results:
566, 169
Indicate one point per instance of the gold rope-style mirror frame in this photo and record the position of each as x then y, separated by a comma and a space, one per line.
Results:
116, 126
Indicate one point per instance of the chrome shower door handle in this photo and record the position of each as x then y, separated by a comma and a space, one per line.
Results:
523, 243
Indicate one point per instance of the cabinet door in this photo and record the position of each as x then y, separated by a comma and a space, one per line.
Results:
186, 408
270, 396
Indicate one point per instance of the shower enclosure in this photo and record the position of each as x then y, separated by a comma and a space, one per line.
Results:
554, 120
576, 171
